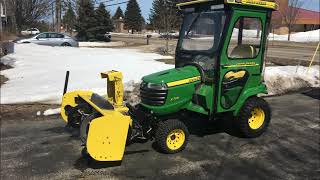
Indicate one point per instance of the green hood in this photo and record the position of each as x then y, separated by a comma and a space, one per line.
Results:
171, 75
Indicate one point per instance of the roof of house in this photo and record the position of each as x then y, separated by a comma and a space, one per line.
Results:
304, 16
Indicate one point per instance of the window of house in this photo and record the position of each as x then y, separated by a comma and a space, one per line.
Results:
246, 38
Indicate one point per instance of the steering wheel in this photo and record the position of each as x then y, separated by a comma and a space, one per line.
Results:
201, 71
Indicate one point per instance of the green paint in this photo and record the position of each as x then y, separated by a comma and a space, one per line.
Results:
200, 97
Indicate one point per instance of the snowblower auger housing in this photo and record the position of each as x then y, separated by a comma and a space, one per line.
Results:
219, 66
102, 120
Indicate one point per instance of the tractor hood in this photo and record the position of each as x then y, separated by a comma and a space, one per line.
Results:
172, 75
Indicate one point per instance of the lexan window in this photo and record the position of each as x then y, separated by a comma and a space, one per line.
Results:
246, 39
202, 31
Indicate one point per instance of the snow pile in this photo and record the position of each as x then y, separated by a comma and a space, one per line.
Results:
101, 44
39, 71
282, 79
49, 112
309, 36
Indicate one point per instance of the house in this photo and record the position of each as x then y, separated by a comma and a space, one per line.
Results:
306, 20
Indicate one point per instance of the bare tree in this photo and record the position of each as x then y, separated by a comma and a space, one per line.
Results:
29, 12
290, 14
164, 17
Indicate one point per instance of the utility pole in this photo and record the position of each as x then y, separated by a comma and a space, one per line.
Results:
58, 15
53, 19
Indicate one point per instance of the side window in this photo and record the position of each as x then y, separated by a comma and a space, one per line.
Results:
246, 38
44, 35
55, 35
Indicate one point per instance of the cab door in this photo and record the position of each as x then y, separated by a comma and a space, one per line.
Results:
241, 58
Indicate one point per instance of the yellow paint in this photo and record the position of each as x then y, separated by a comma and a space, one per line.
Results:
235, 75
107, 136
258, 3
257, 118
68, 99
183, 81
192, 2
175, 139
114, 87
248, 64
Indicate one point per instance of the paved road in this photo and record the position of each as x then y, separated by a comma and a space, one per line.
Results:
279, 52
32, 149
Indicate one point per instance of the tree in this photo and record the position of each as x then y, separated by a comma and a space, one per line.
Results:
69, 19
118, 14
164, 17
132, 17
86, 20
28, 12
103, 20
290, 13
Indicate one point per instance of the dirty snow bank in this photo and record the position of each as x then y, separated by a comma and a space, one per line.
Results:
39, 71
282, 79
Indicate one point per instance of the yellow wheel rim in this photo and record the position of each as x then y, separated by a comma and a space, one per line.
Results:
257, 118
175, 139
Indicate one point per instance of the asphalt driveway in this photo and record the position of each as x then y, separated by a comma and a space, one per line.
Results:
34, 149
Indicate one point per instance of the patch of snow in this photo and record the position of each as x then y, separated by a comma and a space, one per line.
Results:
282, 79
49, 112
39, 71
102, 44
38, 113
309, 36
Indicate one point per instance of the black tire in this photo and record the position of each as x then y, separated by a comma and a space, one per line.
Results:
84, 127
163, 132
65, 44
248, 114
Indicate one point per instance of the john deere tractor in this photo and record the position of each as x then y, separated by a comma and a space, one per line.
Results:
219, 67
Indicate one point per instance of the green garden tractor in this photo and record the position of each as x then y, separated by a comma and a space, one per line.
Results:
219, 67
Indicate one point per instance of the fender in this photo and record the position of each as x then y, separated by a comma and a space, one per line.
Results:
249, 93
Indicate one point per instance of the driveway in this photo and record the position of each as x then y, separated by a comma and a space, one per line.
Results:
42, 149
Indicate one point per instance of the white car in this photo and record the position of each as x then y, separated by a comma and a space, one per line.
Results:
31, 31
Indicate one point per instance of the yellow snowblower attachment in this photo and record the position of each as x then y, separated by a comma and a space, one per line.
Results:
103, 121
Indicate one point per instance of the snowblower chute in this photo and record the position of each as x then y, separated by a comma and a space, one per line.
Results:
102, 121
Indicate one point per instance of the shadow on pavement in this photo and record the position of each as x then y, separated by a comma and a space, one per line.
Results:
313, 93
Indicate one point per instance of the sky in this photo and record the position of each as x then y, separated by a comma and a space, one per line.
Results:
146, 5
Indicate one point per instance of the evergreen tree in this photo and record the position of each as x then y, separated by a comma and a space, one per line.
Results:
86, 20
69, 19
132, 17
118, 14
103, 20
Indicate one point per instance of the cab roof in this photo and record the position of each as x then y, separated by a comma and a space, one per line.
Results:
256, 3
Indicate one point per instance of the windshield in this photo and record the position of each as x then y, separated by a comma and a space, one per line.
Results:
201, 31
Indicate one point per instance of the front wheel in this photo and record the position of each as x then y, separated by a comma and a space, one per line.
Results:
254, 117
172, 136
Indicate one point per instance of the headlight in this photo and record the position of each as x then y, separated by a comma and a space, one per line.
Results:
155, 86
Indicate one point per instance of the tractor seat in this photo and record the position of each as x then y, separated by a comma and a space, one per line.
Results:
243, 51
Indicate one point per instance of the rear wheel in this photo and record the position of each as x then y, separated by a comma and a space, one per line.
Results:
172, 136
65, 44
254, 117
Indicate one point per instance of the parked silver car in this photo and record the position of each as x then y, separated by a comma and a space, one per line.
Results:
51, 39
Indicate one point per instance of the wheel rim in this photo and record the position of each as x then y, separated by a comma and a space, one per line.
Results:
257, 118
175, 139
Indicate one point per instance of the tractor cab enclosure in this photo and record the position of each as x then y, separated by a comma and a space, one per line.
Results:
219, 59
